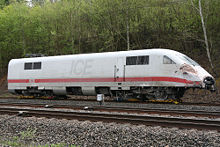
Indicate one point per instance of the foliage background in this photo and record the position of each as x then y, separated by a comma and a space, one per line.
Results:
85, 26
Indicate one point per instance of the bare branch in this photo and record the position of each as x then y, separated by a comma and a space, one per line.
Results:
194, 6
205, 35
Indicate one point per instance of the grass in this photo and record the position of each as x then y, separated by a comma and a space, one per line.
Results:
24, 139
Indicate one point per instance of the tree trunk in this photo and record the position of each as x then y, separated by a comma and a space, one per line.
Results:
205, 36
128, 28
71, 30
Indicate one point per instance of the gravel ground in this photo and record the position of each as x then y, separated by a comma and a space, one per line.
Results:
85, 133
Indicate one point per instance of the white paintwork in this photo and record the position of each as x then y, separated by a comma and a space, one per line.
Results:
102, 65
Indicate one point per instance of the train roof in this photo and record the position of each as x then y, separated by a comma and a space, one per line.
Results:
98, 55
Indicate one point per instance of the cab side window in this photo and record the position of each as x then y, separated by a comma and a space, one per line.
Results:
167, 60
137, 60
143, 60
28, 66
37, 65
32, 65
131, 60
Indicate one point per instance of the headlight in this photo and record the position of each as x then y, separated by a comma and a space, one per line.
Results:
209, 81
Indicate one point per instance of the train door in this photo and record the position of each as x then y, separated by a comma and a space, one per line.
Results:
169, 67
119, 70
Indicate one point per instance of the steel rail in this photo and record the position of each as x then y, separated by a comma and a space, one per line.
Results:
182, 112
113, 101
119, 118
161, 111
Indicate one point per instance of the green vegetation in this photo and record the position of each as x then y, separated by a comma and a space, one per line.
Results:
25, 138
84, 26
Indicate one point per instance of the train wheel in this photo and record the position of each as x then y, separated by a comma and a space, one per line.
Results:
160, 95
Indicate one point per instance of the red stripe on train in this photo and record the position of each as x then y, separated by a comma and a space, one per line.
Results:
132, 79
18, 81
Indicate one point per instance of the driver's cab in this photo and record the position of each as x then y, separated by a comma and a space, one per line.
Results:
166, 65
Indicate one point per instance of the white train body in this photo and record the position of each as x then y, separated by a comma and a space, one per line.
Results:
154, 73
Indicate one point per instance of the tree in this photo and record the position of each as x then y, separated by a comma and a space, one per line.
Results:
200, 10
82, 26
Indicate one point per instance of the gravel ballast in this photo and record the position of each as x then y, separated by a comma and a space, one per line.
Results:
85, 133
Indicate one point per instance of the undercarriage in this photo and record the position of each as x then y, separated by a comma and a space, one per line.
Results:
151, 93
140, 93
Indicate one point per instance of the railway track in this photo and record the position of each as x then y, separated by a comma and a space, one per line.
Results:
114, 101
159, 111
198, 123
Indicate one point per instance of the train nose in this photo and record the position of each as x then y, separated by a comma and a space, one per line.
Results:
209, 83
